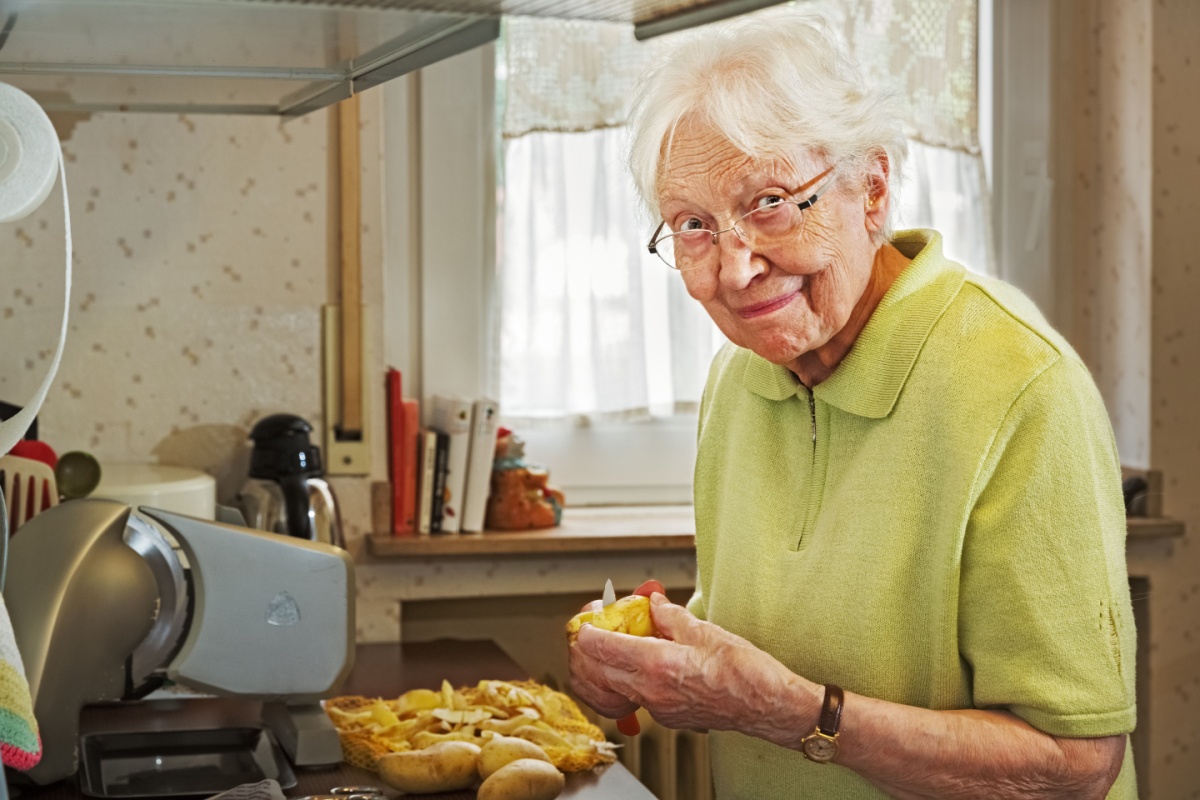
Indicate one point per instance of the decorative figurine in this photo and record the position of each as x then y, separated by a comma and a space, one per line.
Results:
520, 497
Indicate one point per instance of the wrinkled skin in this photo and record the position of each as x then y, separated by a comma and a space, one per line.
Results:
695, 676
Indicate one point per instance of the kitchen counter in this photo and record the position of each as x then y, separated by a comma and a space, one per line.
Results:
380, 670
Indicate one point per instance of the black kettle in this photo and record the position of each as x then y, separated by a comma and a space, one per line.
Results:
286, 492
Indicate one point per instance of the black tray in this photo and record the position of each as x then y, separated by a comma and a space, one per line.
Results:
173, 763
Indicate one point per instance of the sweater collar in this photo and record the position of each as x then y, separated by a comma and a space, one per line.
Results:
871, 376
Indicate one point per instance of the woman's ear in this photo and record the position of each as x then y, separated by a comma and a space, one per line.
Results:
876, 197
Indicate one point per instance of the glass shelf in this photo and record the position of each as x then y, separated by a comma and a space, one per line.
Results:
282, 57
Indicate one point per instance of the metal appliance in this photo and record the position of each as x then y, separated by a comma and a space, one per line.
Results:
287, 492
107, 606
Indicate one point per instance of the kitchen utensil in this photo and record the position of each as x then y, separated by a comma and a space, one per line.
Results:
286, 492
109, 606
148, 764
29, 489
35, 450
628, 724
78, 474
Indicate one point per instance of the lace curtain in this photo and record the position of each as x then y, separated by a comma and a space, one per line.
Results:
591, 326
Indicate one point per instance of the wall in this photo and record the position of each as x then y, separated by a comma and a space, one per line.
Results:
204, 251
1130, 145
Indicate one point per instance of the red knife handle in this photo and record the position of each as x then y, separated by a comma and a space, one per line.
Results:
629, 725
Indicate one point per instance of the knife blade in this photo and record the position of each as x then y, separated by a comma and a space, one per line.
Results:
628, 724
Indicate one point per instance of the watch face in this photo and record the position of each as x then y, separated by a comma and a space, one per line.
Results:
818, 748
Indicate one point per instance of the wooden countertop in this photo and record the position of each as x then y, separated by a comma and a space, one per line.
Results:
385, 670
614, 530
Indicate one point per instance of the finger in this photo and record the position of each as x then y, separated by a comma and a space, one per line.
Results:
650, 587
674, 622
602, 701
620, 652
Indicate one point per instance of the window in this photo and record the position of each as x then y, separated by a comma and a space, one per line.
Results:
606, 439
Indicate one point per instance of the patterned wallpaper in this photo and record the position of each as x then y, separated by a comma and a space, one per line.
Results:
203, 253
1131, 136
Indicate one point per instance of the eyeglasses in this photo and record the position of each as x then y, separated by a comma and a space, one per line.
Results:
775, 219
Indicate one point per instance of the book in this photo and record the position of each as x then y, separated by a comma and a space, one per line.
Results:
452, 416
441, 449
485, 417
401, 459
425, 480
408, 475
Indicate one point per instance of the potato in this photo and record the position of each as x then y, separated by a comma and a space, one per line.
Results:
503, 750
523, 779
442, 767
628, 615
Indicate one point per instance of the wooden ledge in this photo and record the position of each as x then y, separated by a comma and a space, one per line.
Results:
624, 529
1153, 527
583, 531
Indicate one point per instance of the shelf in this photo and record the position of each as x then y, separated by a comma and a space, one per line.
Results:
616, 530
277, 57
583, 531
1153, 528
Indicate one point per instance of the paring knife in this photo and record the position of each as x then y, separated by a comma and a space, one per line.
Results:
627, 725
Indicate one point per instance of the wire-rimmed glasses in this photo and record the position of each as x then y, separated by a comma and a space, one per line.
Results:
774, 219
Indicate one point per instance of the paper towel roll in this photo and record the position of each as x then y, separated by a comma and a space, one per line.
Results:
28, 154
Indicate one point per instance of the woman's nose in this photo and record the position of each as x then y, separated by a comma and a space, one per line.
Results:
738, 263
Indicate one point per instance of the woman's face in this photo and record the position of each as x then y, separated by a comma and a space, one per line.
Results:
788, 299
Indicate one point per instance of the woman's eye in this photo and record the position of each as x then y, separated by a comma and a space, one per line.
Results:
691, 224
769, 201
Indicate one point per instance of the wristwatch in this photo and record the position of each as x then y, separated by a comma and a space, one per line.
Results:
821, 745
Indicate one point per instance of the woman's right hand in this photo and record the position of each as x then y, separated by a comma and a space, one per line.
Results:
603, 701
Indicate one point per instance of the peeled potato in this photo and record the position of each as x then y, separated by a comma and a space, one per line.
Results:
628, 615
523, 779
502, 750
442, 767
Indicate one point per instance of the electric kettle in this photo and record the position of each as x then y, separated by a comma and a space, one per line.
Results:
286, 492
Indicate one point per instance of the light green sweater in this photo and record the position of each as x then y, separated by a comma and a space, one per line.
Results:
939, 524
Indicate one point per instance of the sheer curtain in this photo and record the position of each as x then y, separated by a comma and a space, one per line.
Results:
592, 327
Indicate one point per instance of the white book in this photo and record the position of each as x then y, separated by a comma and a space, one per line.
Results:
452, 416
485, 417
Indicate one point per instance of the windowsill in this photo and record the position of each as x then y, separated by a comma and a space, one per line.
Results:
618, 529
583, 531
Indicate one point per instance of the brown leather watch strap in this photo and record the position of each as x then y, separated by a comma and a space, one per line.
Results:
831, 710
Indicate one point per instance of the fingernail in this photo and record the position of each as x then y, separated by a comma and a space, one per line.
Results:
657, 599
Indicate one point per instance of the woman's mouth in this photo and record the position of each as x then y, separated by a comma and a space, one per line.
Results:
767, 307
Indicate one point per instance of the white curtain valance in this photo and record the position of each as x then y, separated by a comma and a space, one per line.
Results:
577, 75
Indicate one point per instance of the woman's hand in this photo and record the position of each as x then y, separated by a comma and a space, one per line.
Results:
696, 676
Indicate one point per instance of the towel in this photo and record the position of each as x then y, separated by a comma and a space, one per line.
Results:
20, 744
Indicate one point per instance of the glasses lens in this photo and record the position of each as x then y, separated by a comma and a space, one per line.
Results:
685, 250
772, 223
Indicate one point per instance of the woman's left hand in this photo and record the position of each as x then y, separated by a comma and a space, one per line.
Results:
697, 676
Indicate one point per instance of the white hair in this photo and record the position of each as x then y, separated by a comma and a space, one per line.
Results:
768, 83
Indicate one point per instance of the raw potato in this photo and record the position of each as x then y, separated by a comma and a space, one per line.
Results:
523, 779
442, 767
503, 750
628, 615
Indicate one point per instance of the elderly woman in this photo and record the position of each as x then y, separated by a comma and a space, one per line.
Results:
909, 526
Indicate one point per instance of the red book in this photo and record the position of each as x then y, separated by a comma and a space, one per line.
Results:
410, 445
399, 458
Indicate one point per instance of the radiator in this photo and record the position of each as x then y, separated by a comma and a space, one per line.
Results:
671, 764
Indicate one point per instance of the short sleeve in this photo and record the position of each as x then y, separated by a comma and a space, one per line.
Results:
1045, 621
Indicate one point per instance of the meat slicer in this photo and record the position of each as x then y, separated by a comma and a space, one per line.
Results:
106, 607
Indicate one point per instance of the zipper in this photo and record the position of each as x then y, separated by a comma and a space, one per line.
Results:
812, 415
816, 484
